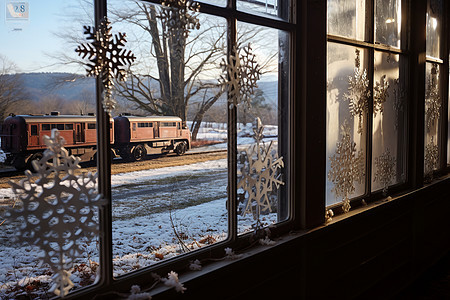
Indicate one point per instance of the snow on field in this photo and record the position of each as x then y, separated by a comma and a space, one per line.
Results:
157, 214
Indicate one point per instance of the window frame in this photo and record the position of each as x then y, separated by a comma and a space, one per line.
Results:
107, 281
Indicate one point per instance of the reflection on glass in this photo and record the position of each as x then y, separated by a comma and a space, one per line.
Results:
260, 160
346, 18
41, 71
388, 152
221, 3
434, 28
163, 203
268, 7
347, 102
433, 104
388, 22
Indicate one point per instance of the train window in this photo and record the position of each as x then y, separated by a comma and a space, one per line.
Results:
145, 124
68, 126
91, 126
34, 130
46, 127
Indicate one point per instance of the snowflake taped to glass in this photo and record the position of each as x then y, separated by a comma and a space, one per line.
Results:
58, 211
346, 167
259, 168
107, 58
432, 99
431, 157
358, 92
385, 169
380, 94
242, 73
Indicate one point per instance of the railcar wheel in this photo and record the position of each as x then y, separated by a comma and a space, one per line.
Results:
139, 152
181, 148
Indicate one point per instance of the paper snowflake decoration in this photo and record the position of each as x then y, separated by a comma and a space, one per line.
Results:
107, 58
432, 99
358, 93
259, 174
179, 15
242, 73
399, 100
58, 210
385, 169
346, 167
380, 94
431, 157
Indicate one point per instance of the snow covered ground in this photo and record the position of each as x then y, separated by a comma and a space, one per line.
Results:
157, 214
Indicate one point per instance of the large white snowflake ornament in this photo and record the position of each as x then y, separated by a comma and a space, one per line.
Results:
385, 169
58, 210
380, 95
242, 73
107, 57
346, 167
432, 99
431, 158
259, 173
358, 92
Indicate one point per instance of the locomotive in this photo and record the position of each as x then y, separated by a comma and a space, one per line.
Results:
131, 137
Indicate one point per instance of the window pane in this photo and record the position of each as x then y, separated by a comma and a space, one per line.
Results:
347, 18
39, 63
434, 28
221, 3
347, 103
388, 22
261, 161
277, 8
389, 130
163, 210
433, 107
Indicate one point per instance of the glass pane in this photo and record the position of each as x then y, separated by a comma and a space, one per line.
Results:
448, 130
433, 107
434, 28
43, 73
389, 130
261, 162
221, 3
164, 203
347, 18
266, 7
388, 22
347, 104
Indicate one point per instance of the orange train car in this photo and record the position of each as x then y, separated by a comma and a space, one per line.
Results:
131, 136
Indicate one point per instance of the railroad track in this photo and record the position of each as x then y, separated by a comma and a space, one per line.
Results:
153, 158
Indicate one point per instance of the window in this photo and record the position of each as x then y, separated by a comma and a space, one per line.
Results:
46, 127
68, 126
91, 126
366, 100
168, 124
34, 130
145, 124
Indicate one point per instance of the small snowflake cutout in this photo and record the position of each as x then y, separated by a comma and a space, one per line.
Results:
58, 210
385, 169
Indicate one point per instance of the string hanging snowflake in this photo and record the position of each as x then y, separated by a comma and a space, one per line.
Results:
358, 92
380, 94
399, 100
346, 167
242, 73
432, 99
259, 173
431, 157
58, 211
106, 57
385, 169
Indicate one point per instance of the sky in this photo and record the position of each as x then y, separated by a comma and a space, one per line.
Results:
27, 42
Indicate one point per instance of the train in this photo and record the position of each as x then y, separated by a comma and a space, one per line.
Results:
131, 137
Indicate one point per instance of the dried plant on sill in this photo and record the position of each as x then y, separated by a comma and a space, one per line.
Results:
59, 210
346, 166
106, 57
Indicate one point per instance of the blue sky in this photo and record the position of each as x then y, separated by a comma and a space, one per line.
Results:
28, 47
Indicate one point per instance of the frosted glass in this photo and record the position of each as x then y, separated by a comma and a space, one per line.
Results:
434, 28
388, 22
346, 18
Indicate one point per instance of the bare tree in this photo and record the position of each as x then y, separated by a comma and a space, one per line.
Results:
11, 88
